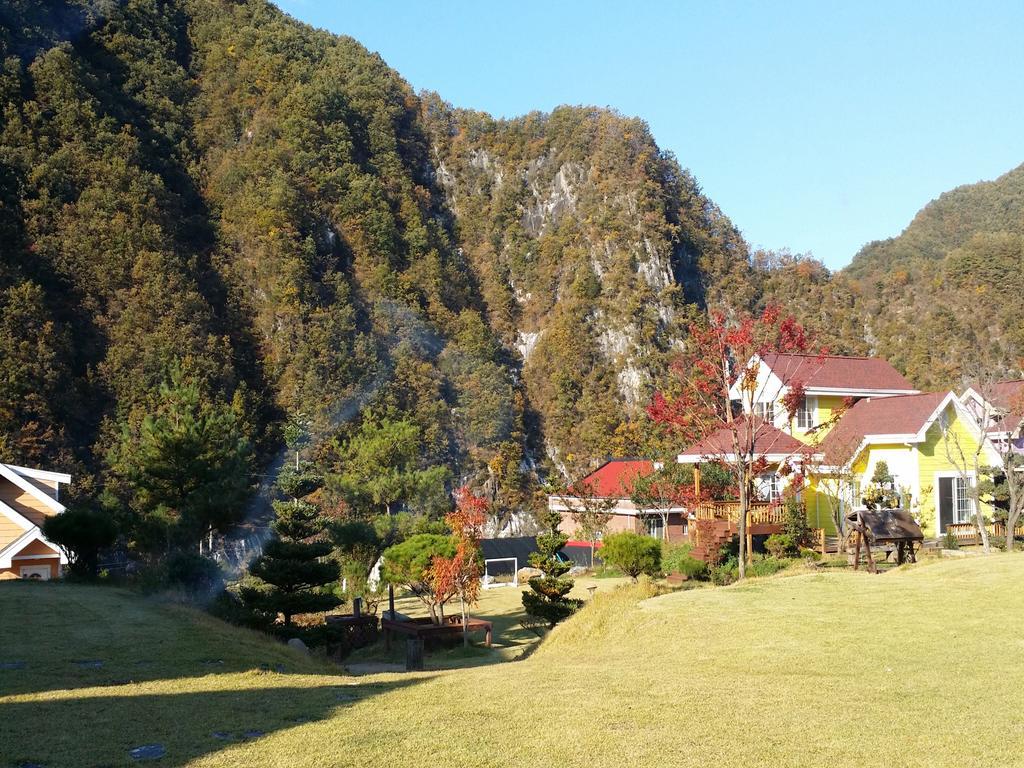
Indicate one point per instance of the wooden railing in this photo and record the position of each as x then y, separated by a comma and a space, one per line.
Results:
967, 533
761, 512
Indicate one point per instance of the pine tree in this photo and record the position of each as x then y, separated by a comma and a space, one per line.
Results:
292, 575
547, 600
185, 470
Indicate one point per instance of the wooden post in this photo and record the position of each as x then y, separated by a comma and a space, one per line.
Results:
856, 553
750, 539
696, 481
821, 536
413, 653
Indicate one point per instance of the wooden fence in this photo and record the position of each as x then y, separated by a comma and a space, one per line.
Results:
967, 533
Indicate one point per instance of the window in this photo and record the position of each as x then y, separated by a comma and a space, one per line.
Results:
805, 413
963, 504
769, 487
655, 526
856, 494
765, 411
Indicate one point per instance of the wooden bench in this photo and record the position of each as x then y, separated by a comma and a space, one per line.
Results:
418, 631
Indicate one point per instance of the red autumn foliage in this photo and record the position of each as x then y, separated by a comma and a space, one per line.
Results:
724, 353
460, 575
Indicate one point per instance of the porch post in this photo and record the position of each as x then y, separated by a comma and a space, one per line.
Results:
750, 537
696, 481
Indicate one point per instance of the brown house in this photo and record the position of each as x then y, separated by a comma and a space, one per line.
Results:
27, 498
614, 480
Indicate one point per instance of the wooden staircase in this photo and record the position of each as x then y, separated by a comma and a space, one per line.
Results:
713, 537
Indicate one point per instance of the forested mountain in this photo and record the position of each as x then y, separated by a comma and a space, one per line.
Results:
211, 188
949, 287
207, 191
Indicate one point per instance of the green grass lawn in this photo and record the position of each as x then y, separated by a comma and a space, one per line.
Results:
923, 666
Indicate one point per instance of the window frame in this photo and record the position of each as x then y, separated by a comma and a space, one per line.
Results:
765, 411
963, 501
806, 412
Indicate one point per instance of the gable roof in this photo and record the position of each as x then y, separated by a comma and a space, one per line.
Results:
838, 372
41, 474
1007, 398
8, 553
19, 479
903, 418
614, 478
770, 442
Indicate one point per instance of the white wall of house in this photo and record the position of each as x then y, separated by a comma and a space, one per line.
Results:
770, 389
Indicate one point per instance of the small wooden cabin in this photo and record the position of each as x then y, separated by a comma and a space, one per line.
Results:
27, 498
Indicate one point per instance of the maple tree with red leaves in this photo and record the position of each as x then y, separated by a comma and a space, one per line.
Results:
460, 575
724, 357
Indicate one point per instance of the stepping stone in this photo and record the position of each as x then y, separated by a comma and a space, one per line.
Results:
213, 662
89, 663
12, 664
148, 752
254, 734
222, 735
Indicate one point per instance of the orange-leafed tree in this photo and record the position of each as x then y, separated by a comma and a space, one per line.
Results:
460, 574
723, 357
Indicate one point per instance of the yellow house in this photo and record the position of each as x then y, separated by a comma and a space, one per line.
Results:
27, 498
829, 382
927, 440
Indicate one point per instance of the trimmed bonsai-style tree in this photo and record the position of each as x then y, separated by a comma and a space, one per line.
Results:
410, 564
547, 599
632, 554
292, 574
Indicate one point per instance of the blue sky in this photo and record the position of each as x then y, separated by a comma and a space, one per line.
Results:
815, 126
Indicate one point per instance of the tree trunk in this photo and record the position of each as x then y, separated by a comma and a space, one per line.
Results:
465, 632
744, 505
591, 554
978, 519
1013, 516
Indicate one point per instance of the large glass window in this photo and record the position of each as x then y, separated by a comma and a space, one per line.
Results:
963, 504
655, 526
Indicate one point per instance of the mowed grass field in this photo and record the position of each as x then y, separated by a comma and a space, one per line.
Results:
919, 667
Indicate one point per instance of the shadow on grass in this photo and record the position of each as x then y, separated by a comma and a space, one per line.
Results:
102, 729
96, 636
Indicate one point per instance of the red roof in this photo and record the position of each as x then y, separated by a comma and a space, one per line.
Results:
768, 440
614, 478
1007, 396
898, 415
837, 372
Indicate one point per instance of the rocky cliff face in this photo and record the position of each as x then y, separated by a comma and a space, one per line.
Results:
587, 242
